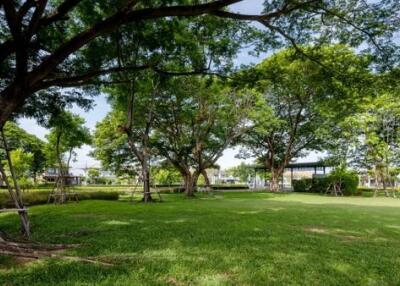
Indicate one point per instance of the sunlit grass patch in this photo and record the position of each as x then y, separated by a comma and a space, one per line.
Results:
225, 239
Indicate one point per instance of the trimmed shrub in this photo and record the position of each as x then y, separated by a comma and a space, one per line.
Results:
320, 185
230, 187
370, 192
98, 195
181, 189
302, 185
365, 189
38, 198
349, 181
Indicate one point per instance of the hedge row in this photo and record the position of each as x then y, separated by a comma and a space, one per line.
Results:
229, 187
38, 198
181, 189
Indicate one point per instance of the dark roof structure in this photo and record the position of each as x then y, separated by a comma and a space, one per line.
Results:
300, 166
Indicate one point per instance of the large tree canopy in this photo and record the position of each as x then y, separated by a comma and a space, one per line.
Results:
199, 118
45, 44
298, 100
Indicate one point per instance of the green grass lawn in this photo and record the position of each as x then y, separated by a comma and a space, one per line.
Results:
228, 239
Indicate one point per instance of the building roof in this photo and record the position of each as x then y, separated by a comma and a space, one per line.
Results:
302, 165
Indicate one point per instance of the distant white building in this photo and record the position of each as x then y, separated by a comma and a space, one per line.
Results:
52, 173
293, 171
217, 176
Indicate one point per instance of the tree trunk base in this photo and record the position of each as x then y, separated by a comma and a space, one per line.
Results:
147, 199
190, 195
29, 251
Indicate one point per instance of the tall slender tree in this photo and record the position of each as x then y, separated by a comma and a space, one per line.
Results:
18, 138
138, 102
376, 140
66, 134
14, 187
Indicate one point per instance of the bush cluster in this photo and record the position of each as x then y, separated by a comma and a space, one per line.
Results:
302, 185
349, 183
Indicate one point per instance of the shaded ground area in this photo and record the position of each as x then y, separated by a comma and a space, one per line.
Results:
226, 239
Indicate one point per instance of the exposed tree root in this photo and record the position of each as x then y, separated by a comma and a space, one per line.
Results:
82, 259
32, 251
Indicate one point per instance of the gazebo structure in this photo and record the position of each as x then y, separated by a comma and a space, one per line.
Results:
315, 168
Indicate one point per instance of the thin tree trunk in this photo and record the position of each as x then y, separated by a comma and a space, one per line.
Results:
146, 179
376, 183
61, 176
16, 196
384, 185
22, 212
188, 185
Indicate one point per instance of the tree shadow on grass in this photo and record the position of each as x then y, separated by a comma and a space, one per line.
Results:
206, 243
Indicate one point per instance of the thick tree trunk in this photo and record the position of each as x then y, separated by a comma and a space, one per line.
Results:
206, 179
190, 183
195, 178
11, 100
274, 183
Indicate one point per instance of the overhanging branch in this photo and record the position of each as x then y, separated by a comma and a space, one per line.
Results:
89, 78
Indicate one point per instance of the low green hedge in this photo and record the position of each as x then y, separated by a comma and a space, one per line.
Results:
181, 189
38, 198
365, 190
168, 185
229, 187
167, 190
370, 192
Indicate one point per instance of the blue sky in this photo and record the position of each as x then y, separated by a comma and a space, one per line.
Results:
101, 107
